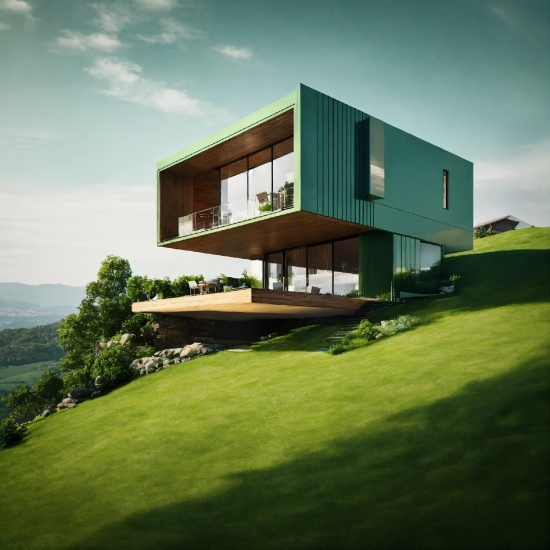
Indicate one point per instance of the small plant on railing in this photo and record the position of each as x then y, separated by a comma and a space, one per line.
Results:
454, 279
266, 207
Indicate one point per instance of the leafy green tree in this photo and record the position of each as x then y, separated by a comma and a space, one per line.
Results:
47, 390
22, 401
11, 432
100, 315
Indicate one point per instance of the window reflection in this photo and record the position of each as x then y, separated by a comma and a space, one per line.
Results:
346, 267
274, 278
319, 270
296, 270
417, 265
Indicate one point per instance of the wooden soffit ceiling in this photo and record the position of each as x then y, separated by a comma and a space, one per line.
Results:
251, 240
254, 139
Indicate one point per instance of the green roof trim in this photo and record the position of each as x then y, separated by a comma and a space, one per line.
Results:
272, 110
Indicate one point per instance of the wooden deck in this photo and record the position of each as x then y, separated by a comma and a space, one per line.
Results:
253, 303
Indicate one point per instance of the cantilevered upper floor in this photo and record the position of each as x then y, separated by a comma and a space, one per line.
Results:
309, 169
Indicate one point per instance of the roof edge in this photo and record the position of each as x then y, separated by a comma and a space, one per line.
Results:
270, 111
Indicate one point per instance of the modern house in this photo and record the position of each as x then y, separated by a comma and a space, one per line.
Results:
501, 225
328, 198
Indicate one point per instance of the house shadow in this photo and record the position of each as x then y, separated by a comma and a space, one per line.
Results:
467, 471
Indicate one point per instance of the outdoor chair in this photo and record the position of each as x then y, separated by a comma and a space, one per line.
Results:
193, 287
313, 290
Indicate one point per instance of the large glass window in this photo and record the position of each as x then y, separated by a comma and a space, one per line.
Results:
296, 270
259, 181
274, 275
283, 174
346, 267
319, 267
416, 265
234, 192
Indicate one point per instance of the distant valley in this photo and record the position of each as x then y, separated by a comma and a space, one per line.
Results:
25, 306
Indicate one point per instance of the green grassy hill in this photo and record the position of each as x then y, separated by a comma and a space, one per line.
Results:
433, 438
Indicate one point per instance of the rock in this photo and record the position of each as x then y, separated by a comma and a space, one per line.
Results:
46, 413
81, 392
125, 338
447, 289
97, 381
264, 338
379, 335
383, 324
272, 335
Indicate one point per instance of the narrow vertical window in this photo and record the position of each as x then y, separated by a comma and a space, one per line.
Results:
446, 189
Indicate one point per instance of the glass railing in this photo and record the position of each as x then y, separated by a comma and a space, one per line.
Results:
234, 212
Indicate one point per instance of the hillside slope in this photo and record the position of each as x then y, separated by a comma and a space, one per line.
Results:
434, 438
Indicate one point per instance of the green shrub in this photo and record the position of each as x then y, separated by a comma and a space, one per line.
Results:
341, 346
365, 330
353, 294
140, 324
482, 232
454, 279
113, 367
265, 207
402, 323
11, 432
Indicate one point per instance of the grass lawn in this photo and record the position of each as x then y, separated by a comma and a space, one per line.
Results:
433, 438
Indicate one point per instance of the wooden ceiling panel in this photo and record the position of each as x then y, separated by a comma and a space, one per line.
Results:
245, 143
269, 234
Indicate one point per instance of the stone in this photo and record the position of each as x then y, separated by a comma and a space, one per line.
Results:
272, 335
447, 289
97, 381
46, 413
264, 338
125, 338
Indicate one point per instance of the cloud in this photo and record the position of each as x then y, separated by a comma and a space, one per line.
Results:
16, 6
75, 42
233, 52
3, 26
25, 137
528, 167
157, 5
113, 17
518, 185
503, 14
71, 249
172, 30
125, 82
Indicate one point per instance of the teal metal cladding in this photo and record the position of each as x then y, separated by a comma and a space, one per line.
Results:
333, 144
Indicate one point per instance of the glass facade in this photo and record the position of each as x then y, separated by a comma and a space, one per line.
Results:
416, 265
319, 267
346, 267
250, 187
301, 269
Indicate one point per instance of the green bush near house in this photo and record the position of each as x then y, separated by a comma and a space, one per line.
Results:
437, 437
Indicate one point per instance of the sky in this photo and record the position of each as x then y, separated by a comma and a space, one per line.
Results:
94, 93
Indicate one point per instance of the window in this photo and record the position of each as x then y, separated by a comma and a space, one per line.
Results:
446, 189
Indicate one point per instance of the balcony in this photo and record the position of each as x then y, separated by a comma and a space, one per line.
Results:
236, 211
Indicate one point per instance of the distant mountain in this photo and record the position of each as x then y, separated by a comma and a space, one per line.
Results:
44, 295
25, 306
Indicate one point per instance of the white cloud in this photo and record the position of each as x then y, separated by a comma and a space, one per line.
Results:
528, 166
3, 26
26, 137
126, 82
171, 31
518, 185
157, 5
61, 236
75, 42
113, 17
16, 6
233, 52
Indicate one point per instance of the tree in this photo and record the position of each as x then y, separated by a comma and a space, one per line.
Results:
47, 390
10, 432
100, 316
22, 401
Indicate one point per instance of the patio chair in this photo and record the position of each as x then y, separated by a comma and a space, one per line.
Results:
193, 287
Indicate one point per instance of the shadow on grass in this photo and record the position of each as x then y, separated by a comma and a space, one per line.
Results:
468, 471
308, 338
